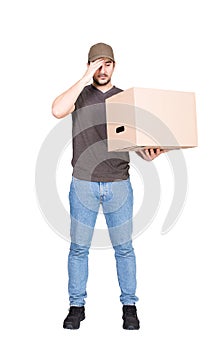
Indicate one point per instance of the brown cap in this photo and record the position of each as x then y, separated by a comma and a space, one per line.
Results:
100, 50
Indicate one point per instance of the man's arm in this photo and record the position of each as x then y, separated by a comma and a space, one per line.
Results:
150, 153
64, 104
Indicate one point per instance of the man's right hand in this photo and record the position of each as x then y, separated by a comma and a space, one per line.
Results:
92, 68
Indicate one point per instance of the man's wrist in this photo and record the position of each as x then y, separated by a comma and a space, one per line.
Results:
84, 80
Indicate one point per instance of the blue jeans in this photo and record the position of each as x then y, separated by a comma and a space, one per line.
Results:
117, 203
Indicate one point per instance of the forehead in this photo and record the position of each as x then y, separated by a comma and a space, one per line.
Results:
106, 59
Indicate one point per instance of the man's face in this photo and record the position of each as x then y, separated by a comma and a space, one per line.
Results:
103, 75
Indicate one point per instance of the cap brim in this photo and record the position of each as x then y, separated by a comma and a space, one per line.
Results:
94, 58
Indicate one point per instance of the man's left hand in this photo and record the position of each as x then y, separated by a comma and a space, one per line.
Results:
150, 153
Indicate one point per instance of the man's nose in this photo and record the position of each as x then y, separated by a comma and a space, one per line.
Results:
102, 68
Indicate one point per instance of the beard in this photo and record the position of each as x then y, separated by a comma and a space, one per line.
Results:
101, 83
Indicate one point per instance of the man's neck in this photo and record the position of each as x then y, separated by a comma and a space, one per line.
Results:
103, 88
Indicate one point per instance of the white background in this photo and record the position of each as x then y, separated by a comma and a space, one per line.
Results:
160, 44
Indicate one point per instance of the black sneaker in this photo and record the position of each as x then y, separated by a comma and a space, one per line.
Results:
75, 316
130, 318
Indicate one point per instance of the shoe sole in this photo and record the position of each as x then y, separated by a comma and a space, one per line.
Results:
131, 328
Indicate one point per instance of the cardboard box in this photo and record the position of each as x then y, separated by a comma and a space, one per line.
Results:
140, 118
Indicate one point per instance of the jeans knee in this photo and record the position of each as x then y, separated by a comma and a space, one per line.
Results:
78, 250
124, 250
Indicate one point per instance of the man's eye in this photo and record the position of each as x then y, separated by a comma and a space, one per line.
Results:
108, 64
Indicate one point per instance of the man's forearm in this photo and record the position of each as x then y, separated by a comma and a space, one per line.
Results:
64, 104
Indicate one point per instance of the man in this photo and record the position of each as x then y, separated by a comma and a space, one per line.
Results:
99, 177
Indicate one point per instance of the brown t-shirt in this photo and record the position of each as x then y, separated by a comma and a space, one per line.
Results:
91, 160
